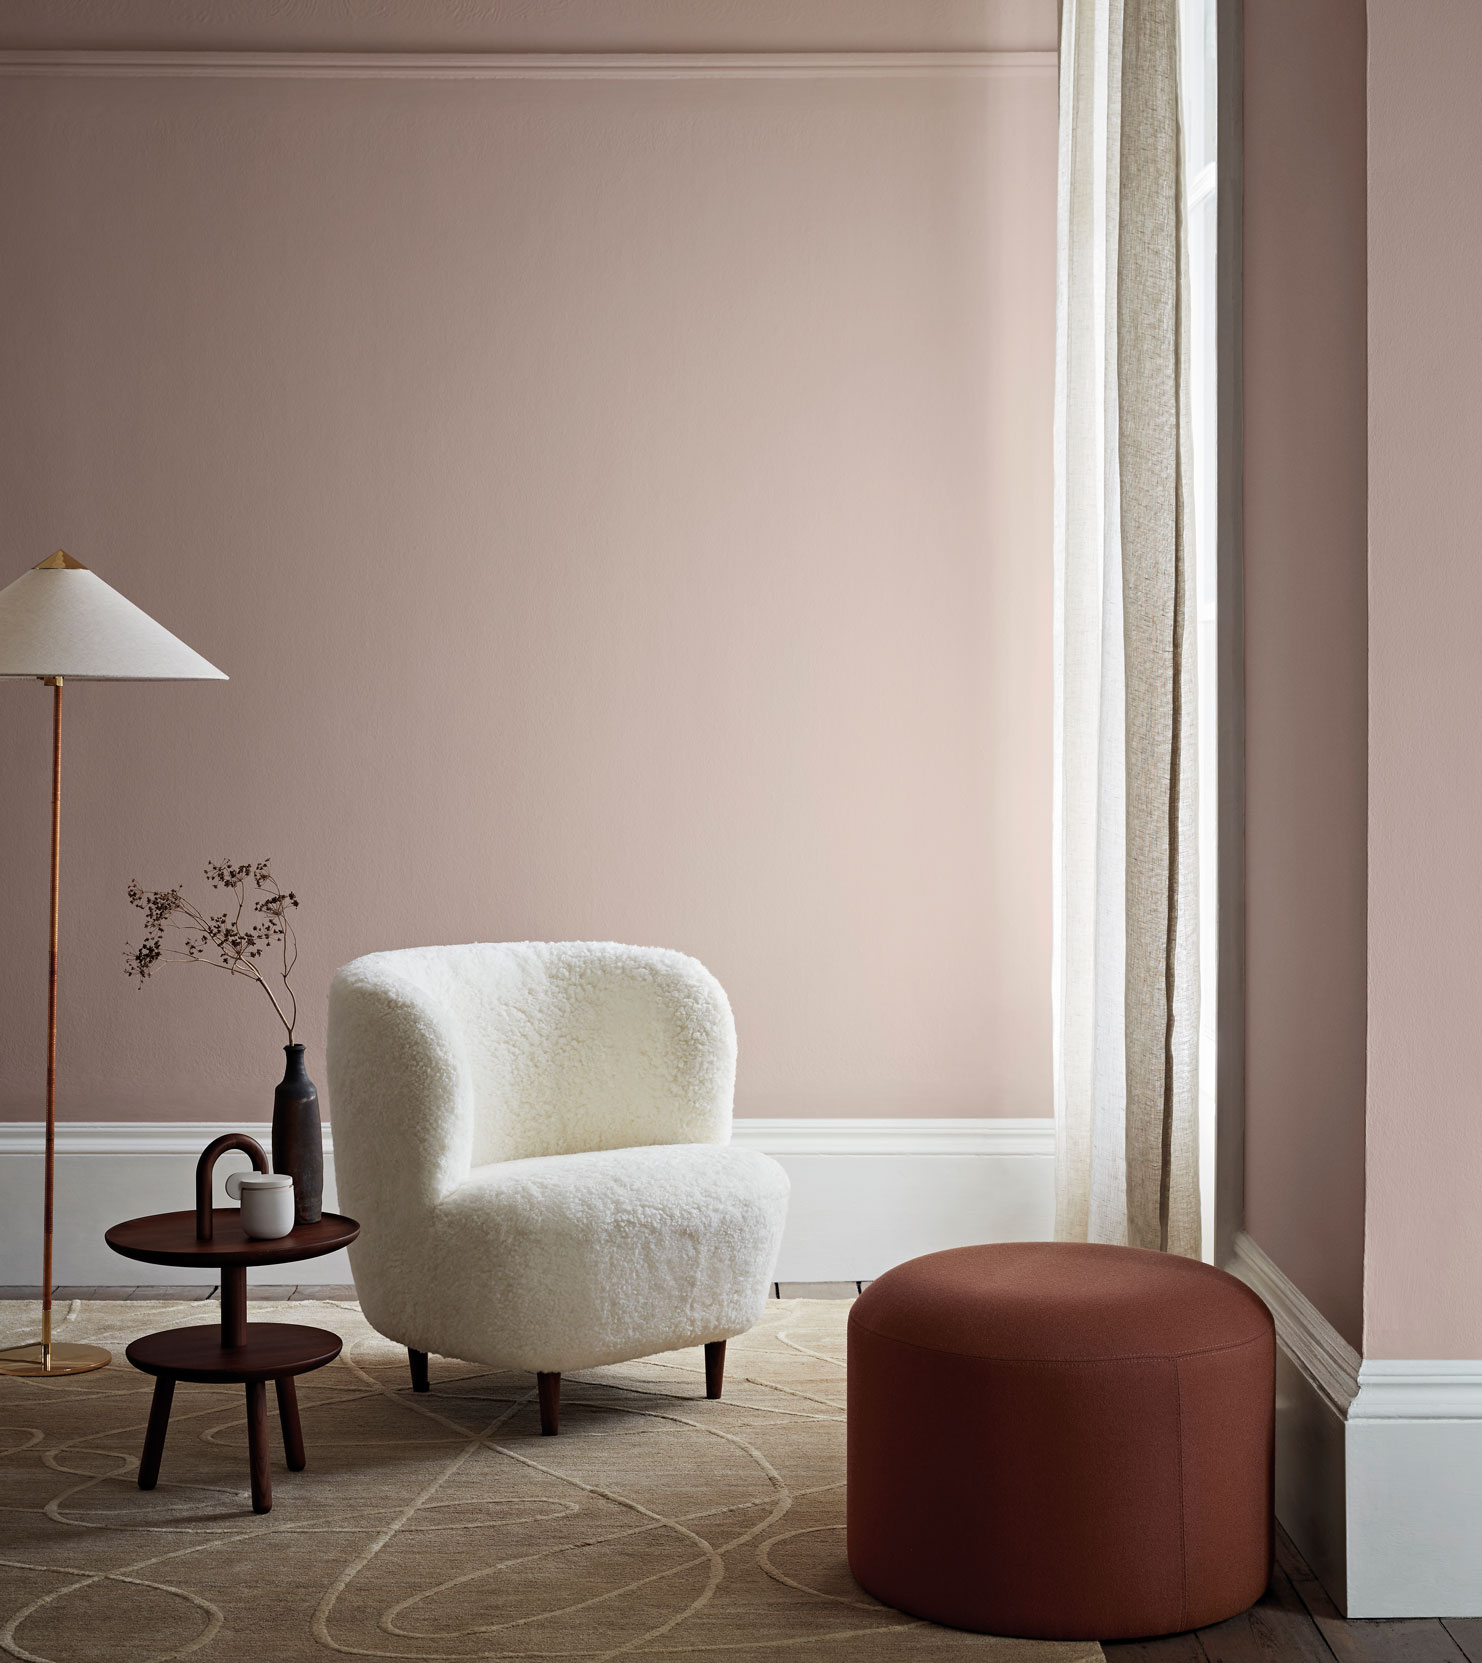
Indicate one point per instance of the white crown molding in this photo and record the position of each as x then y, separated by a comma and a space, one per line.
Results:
899, 1136
1408, 1388
1317, 1348
541, 66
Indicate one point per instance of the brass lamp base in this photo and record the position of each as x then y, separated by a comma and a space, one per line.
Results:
29, 1361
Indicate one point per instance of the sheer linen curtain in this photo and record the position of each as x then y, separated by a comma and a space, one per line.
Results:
1126, 967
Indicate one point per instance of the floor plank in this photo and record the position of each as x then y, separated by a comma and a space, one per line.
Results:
1278, 1626
278, 1292
324, 1290
1387, 1640
1302, 1577
179, 1291
817, 1290
1171, 1648
1391, 1640
1467, 1632
21, 1290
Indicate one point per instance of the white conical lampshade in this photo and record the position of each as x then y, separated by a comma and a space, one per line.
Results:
60, 619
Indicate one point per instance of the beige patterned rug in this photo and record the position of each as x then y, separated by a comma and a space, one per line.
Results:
444, 1526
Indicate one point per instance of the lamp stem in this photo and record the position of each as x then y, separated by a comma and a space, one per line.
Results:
69, 1357
51, 1017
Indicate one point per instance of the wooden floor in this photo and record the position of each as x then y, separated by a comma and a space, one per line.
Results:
1295, 1621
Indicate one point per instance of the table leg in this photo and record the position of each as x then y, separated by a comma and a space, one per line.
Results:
293, 1433
154, 1437
257, 1446
233, 1306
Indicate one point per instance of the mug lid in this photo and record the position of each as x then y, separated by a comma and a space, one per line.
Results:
266, 1180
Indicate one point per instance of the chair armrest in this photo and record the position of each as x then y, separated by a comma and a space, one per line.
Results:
400, 1094
681, 1067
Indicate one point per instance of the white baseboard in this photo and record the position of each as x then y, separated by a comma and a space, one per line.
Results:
1415, 1489
109, 1170
1316, 1380
867, 1193
1378, 1462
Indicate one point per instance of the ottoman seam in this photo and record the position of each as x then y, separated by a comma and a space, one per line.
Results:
1183, 1538
1071, 1362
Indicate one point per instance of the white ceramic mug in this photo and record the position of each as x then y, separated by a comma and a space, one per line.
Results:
266, 1200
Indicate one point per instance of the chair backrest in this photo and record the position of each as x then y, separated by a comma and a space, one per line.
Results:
560, 1047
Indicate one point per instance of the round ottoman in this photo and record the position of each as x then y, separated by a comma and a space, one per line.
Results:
1061, 1441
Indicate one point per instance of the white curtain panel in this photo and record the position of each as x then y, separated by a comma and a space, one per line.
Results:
1126, 969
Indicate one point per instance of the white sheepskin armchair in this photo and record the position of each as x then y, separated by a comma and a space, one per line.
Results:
535, 1138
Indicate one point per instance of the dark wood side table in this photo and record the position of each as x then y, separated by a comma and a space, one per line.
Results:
240, 1352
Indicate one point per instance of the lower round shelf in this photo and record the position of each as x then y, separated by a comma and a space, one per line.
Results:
273, 1349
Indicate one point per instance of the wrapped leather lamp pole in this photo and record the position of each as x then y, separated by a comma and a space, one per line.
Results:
60, 622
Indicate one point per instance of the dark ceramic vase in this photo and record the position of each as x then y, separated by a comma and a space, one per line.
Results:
298, 1144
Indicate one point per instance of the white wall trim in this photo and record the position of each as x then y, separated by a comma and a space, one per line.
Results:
867, 1193
1316, 1380
1317, 1348
1378, 1461
902, 1136
544, 66
1444, 1388
129, 1137
825, 1135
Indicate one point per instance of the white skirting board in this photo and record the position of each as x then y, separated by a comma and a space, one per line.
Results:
108, 1170
867, 1193
1378, 1462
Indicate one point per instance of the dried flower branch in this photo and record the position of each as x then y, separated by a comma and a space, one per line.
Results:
178, 932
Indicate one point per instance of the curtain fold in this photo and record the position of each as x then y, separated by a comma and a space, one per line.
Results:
1126, 968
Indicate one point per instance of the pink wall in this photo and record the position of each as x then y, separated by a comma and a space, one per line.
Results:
1305, 622
536, 25
1423, 1285
1363, 392
622, 506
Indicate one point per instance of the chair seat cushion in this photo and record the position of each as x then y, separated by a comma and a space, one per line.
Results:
563, 1262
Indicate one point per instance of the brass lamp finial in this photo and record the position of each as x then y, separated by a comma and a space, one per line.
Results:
61, 561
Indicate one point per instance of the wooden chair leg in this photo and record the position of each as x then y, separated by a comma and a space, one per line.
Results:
154, 1437
257, 1446
549, 1387
715, 1367
293, 1432
418, 1360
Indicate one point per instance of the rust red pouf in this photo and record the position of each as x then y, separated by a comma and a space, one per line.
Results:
1061, 1441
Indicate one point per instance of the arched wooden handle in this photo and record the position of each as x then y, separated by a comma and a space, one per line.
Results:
206, 1165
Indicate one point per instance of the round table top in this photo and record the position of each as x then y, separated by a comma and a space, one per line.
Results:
273, 1349
170, 1239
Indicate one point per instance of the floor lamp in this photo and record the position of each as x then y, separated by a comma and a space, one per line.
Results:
60, 622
